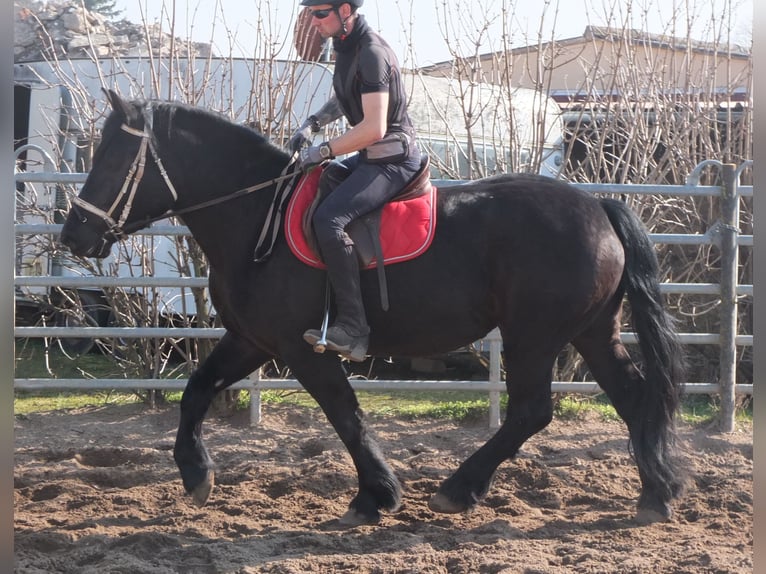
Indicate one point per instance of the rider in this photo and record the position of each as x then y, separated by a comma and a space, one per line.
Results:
369, 92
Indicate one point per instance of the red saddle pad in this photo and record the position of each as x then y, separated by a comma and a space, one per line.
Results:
406, 227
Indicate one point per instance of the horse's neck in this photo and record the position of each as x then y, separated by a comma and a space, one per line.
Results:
226, 232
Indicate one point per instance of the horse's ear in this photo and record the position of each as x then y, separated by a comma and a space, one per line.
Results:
118, 104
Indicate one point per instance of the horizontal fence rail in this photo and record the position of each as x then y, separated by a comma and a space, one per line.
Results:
718, 235
217, 333
112, 281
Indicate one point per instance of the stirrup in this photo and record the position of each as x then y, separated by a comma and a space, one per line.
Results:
354, 350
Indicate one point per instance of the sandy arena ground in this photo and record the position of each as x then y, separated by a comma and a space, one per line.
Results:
96, 491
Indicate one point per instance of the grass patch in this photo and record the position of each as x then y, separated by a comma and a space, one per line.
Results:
705, 409
26, 402
455, 405
34, 360
460, 406
574, 407
700, 409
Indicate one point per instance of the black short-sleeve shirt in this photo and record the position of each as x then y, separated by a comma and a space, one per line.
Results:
364, 64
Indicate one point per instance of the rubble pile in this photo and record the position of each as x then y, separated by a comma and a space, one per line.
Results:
60, 29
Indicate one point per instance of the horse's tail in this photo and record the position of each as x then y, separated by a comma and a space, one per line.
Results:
663, 366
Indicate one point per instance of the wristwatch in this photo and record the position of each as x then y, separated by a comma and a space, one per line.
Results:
325, 151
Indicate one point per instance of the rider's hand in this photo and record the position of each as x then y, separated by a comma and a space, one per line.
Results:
309, 157
303, 135
314, 155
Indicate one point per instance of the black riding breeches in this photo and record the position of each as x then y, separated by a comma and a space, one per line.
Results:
367, 188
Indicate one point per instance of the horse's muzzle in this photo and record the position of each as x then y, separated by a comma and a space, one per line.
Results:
83, 242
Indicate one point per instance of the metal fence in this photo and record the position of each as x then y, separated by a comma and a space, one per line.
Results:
724, 234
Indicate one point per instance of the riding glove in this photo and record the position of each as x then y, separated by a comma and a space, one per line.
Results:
303, 135
314, 155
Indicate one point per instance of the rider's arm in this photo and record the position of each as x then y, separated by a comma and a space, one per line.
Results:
369, 130
328, 113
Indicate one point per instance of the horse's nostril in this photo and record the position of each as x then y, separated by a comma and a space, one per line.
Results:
68, 239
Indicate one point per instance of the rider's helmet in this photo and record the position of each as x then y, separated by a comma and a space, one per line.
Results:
336, 4
354, 3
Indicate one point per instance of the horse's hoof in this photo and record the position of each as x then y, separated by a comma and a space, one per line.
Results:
647, 516
354, 518
202, 492
440, 503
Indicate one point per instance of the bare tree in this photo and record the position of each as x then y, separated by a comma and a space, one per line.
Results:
643, 106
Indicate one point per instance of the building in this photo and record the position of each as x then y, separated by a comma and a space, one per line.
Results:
605, 60
637, 107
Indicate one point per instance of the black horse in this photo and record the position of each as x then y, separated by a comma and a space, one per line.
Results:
546, 263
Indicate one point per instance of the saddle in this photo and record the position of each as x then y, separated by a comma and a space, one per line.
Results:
398, 231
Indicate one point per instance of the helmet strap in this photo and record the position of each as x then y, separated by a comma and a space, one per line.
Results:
343, 21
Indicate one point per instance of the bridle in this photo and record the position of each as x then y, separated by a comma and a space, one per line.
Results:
116, 228
132, 179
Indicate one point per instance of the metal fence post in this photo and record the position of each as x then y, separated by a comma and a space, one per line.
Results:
255, 397
728, 312
495, 349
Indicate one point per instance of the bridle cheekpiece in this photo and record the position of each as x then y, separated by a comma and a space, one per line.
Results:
132, 179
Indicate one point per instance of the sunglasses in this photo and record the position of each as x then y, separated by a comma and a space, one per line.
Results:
322, 14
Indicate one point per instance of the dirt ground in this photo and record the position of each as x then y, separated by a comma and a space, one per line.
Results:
96, 491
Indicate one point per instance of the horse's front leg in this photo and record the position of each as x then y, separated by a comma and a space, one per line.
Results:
231, 360
323, 377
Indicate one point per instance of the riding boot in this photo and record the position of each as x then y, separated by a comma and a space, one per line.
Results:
349, 333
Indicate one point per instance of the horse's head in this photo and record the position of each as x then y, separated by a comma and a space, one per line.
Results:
127, 185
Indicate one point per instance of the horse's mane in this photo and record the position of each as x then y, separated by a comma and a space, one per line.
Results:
211, 123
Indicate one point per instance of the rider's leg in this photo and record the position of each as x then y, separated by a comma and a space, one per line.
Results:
367, 188
349, 333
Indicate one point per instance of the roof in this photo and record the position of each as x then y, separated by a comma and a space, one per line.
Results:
608, 34
662, 41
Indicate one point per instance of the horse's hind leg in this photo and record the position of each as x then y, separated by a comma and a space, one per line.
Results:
649, 425
530, 409
323, 377
231, 360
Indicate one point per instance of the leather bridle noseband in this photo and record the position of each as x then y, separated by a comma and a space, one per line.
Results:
116, 228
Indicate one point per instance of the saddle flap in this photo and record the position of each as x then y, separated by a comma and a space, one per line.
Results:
407, 226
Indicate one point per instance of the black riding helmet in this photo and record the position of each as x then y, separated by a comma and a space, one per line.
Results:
336, 3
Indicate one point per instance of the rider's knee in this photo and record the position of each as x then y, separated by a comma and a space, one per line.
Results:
329, 230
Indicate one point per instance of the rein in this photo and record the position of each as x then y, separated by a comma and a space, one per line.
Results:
118, 230
215, 201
